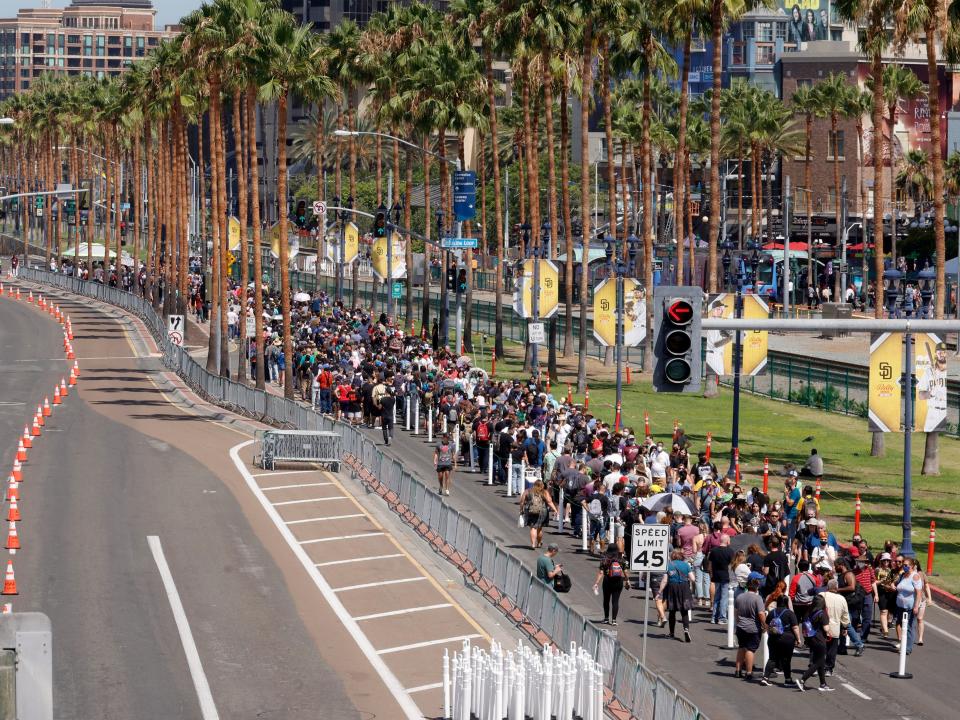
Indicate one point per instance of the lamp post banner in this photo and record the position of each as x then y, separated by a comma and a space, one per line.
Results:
351, 241
930, 367
549, 301
605, 312
884, 392
378, 258
720, 342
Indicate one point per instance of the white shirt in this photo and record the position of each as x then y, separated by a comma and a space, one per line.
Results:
658, 464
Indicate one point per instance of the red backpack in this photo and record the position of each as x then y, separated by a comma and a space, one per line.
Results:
483, 432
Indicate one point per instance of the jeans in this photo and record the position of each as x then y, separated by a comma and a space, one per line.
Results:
911, 627
274, 371
720, 601
862, 617
386, 422
324, 397
516, 477
483, 454
701, 588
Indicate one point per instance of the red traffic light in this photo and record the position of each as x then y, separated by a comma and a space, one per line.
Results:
680, 312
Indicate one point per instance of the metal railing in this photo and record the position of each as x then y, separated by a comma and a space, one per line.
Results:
503, 578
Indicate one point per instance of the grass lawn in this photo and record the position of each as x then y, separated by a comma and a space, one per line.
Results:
785, 433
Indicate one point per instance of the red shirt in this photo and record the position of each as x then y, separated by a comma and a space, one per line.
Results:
867, 578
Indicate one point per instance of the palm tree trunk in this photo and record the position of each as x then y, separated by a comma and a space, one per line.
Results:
408, 244
892, 110
498, 209
184, 225
352, 149
255, 221
876, 71
687, 216
754, 193
137, 205
318, 148
716, 19
809, 193
552, 210
586, 93
740, 232
608, 134
149, 288
240, 138
427, 251
646, 164
379, 146
284, 260
837, 210
863, 209
215, 276
219, 144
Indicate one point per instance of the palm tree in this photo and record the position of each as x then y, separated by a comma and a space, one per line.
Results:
807, 103
914, 176
860, 102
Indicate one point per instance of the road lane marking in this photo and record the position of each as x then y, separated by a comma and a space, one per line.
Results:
426, 643
364, 586
309, 500
852, 689
283, 472
406, 611
408, 707
328, 517
359, 559
423, 688
942, 632
341, 537
298, 485
207, 707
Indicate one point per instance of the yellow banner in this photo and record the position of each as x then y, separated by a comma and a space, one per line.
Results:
378, 258
930, 368
233, 234
275, 240
549, 299
605, 312
351, 242
753, 342
884, 393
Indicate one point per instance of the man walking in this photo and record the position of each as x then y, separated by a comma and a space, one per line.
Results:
751, 616
387, 402
718, 565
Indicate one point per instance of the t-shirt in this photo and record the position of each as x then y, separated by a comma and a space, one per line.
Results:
794, 496
678, 572
906, 591
788, 619
687, 535
720, 559
778, 567
748, 607
545, 565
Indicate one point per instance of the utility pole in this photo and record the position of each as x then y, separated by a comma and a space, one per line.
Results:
786, 246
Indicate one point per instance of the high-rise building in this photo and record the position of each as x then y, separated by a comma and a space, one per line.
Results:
90, 37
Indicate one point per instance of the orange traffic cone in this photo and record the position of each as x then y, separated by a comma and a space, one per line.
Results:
40, 420
76, 369
13, 540
13, 492
46, 403
56, 395
13, 514
73, 377
50, 308
18, 293
9, 581
30, 297
35, 430
63, 388
17, 471
27, 442
1, 288
21, 452
70, 355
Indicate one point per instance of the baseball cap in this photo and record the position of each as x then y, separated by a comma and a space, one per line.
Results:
793, 473
854, 552
822, 523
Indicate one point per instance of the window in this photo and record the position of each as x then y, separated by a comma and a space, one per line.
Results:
73, 39
804, 82
835, 144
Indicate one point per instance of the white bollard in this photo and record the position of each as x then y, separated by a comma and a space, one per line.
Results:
446, 684
406, 406
490, 465
416, 418
522, 482
560, 512
510, 476
902, 673
429, 424
394, 411
473, 467
444, 423
764, 651
730, 617
611, 532
456, 443
585, 523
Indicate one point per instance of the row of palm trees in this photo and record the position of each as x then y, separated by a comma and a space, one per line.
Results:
417, 73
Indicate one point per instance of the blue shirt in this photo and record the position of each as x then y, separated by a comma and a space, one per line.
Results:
678, 572
794, 497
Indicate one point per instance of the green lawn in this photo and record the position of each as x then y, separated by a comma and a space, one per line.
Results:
785, 433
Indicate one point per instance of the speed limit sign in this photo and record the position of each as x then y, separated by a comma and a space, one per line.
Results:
319, 207
649, 548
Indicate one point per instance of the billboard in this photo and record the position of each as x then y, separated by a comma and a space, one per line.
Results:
884, 392
930, 368
753, 342
605, 312
809, 19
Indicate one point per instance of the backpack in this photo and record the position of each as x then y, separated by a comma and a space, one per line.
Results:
580, 438
775, 626
535, 504
483, 432
809, 629
615, 569
595, 508
562, 583
444, 456
571, 487
804, 597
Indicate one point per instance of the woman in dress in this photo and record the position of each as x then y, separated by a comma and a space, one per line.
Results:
534, 502
675, 589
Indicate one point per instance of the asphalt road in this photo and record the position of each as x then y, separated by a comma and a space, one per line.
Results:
118, 463
703, 670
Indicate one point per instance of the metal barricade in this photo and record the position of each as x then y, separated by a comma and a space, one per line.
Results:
665, 700
645, 699
298, 446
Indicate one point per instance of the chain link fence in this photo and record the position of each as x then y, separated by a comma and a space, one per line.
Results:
633, 690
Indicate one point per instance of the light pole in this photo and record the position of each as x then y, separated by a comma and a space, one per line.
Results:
843, 258
620, 268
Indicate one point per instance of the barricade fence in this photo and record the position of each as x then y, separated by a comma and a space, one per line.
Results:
503, 579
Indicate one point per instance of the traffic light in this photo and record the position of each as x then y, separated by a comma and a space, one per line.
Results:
676, 345
380, 223
300, 213
462, 280
451, 279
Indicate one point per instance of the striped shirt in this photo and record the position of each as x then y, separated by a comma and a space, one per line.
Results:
866, 578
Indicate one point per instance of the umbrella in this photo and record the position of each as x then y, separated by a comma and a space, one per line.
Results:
670, 502
301, 297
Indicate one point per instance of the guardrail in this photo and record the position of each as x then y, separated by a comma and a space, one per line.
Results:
633, 689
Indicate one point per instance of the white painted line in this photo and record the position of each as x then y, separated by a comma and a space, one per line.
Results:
359, 559
207, 707
422, 688
299, 485
309, 500
408, 707
341, 537
283, 472
393, 613
328, 517
942, 632
363, 586
427, 643
852, 689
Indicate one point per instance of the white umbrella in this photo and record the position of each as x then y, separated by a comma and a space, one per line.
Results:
669, 502
301, 297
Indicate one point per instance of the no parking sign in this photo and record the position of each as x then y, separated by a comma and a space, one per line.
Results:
175, 328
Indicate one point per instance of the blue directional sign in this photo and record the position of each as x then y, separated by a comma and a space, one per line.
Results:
455, 243
465, 195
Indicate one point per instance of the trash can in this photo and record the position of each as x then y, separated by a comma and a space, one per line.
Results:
835, 311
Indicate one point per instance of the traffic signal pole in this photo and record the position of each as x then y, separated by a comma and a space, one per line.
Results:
737, 367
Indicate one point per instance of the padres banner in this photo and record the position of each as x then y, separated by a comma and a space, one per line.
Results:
233, 233
753, 342
378, 258
605, 312
884, 393
930, 368
351, 244
549, 301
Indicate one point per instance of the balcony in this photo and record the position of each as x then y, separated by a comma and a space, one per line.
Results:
752, 54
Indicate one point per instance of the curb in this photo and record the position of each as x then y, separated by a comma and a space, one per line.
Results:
944, 598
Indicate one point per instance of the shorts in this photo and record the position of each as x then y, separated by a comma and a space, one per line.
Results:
887, 600
444, 468
618, 531
534, 520
748, 640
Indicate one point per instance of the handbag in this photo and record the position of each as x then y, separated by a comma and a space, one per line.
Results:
521, 521
562, 583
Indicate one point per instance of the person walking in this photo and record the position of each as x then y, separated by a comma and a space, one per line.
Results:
613, 578
926, 599
816, 631
886, 591
750, 618
702, 583
534, 502
675, 589
386, 402
909, 599
783, 635
445, 462
718, 565
839, 616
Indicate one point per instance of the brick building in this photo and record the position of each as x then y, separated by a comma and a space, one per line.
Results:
92, 37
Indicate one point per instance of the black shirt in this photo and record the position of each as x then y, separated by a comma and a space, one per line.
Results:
720, 559
777, 567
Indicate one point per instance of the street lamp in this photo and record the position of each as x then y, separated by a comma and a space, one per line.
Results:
340, 132
843, 259
620, 268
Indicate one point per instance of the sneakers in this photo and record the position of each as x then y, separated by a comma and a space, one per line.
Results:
763, 681
800, 686
859, 651
825, 688
738, 674
748, 677
613, 622
829, 673
686, 636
